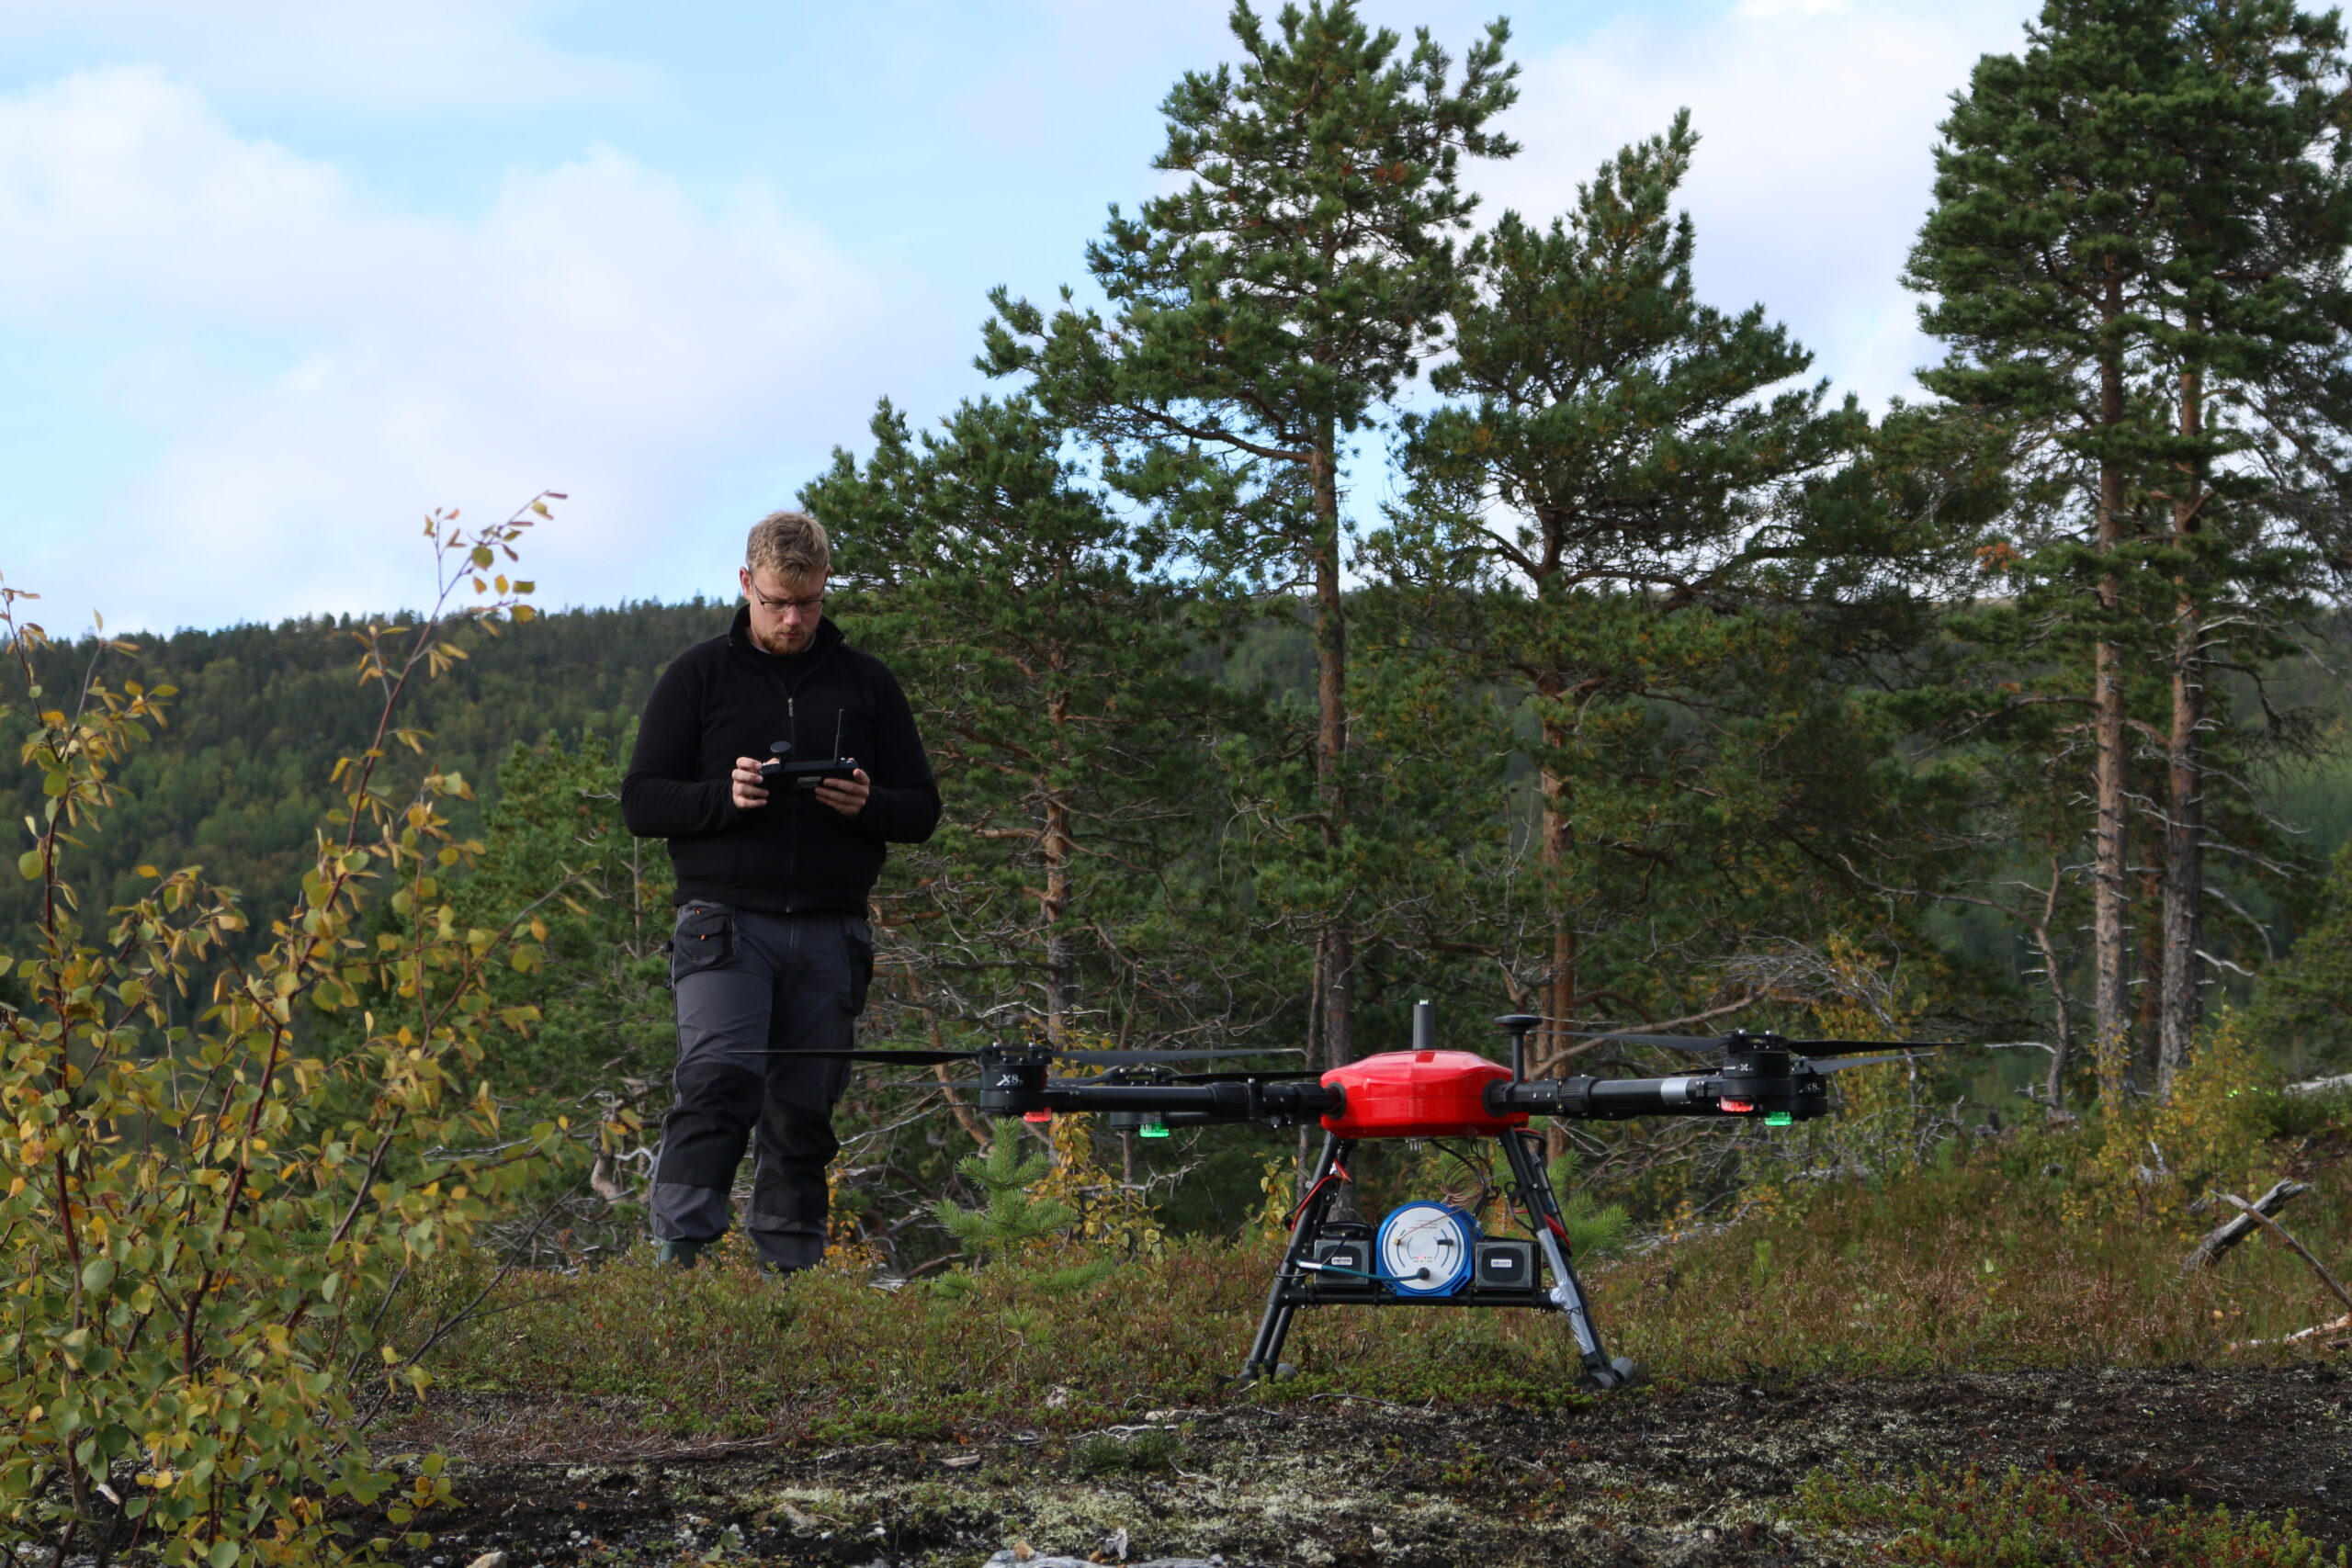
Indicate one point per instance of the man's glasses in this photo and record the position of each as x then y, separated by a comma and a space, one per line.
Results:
779, 606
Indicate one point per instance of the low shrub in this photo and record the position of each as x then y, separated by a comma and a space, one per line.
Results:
1990, 1257
203, 1206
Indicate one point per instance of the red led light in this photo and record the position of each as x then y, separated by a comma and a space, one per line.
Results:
1037, 1116
1737, 1106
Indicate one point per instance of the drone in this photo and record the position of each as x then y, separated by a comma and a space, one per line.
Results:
1423, 1253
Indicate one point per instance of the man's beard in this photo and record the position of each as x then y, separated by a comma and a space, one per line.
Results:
780, 643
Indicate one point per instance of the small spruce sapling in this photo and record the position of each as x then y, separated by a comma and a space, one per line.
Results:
1014, 1219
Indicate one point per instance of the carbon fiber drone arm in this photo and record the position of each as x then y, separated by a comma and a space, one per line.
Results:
1756, 1079
1742, 1088
1011, 1091
1599, 1099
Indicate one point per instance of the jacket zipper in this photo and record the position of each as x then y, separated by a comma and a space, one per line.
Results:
792, 721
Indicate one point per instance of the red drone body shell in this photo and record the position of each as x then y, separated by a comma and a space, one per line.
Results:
1419, 1094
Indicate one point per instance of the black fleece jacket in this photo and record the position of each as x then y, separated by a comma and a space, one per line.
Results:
727, 698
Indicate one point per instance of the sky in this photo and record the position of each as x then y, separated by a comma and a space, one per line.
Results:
277, 278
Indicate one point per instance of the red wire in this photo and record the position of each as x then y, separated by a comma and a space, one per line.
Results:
1290, 1221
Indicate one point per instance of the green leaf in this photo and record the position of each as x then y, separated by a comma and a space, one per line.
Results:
223, 1554
28, 865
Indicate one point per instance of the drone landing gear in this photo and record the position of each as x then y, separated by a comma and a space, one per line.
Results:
1301, 1282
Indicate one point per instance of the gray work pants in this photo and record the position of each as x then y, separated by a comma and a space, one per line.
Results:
753, 991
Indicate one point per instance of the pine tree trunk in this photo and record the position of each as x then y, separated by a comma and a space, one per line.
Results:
2182, 1003
1338, 997
1305, 1168
2112, 953
1054, 850
2110, 940
1056, 847
1559, 993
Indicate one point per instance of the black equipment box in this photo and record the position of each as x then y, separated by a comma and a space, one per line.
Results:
1503, 1265
1343, 1247
1355, 1258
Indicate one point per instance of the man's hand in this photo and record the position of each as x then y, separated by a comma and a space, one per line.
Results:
751, 790
844, 796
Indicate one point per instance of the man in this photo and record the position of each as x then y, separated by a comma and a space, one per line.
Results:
771, 954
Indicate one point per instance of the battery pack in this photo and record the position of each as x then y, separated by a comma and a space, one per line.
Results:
1343, 1251
1503, 1265
1350, 1262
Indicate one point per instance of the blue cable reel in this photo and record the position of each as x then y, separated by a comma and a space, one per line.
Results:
1424, 1250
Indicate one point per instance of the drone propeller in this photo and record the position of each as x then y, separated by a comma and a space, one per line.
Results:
1842, 1063
1674, 1041
1721, 1042
904, 1058
1246, 1075
1099, 1058
1139, 1058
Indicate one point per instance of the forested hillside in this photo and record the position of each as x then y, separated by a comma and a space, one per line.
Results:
237, 779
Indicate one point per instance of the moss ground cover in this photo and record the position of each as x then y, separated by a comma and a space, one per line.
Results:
1789, 1473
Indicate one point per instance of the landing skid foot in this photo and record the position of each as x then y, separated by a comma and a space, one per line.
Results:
1250, 1377
1621, 1373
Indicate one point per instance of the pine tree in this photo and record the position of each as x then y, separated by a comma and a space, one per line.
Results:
1607, 485
2135, 257
2261, 308
1048, 660
1265, 313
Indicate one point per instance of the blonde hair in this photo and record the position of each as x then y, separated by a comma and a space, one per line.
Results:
790, 544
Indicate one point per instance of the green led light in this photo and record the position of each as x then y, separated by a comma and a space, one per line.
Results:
1152, 1130
1777, 1118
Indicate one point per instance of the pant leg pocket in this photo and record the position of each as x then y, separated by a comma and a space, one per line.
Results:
857, 941
703, 939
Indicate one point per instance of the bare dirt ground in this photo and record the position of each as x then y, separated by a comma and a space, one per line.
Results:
1694, 1475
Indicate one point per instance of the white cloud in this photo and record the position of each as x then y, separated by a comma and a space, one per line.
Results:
419, 56
1817, 121
319, 364
238, 371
